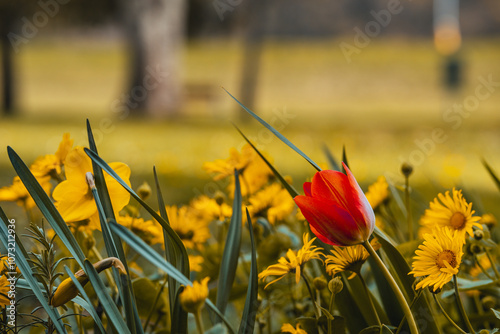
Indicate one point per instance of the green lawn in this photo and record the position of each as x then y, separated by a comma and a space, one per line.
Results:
378, 106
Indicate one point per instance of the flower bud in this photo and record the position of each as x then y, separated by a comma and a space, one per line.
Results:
220, 198
406, 169
489, 302
320, 283
478, 234
144, 191
193, 297
335, 285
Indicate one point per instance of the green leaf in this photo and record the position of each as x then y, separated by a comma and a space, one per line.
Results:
24, 267
152, 256
492, 173
173, 257
344, 159
172, 236
285, 184
229, 263
347, 306
496, 313
251, 303
107, 303
331, 159
180, 317
276, 133
112, 242
91, 309
44, 203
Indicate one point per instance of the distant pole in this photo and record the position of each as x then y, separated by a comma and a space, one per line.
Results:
448, 39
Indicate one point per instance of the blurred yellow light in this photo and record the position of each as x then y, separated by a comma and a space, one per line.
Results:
447, 39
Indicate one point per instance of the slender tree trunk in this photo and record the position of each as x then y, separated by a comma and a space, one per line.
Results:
7, 73
155, 30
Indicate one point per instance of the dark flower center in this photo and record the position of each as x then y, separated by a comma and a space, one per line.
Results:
446, 256
457, 221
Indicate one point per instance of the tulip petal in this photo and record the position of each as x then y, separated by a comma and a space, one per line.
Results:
307, 188
333, 224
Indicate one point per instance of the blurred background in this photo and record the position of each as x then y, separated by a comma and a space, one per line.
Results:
391, 81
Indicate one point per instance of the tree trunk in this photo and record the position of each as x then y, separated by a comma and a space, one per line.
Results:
155, 30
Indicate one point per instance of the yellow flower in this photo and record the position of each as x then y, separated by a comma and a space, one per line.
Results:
272, 202
147, 230
208, 209
4, 291
294, 262
489, 220
51, 164
73, 197
349, 258
453, 212
438, 258
67, 290
378, 192
18, 193
192, 231
195, 262
254, 172
193, 297
287, 328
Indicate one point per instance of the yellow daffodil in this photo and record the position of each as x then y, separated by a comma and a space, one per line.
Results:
438, 258
193, 297
349, 258
67, 290
51, 164
293, 262
73, 197
147, 230
287, 328
18, 193
378, 192
273, 203
453, 212
192, 231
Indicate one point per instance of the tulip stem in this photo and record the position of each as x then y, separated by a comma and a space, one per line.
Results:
395, 288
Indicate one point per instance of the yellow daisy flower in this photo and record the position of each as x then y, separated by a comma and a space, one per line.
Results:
287, 328
208, 209
192, 231
378, 192
294, 262
4, 291
148, 231
272, 202
349, 258
195, 262
73, 196
438, 258
453, 212
193, 297
18, 193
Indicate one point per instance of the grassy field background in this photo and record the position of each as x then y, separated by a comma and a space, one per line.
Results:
380, 106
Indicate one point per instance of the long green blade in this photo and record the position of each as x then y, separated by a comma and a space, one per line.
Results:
231, 253
152, 256
492, 173
251, 304
276, 133
91, 309
24, 267
107, 303
46, 206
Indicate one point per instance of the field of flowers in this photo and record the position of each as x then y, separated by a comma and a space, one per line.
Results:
256, 256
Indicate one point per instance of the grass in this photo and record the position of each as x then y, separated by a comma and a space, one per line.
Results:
380, 106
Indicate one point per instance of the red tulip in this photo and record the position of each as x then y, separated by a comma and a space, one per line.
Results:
336, 208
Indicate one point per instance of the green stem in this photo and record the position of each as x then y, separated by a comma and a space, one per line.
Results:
408, 208
395, 288
330, 309
493, 264
370, 299
482, 268
151, 310
461, 306
447, 316
313, 300
199, 322
403, 321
